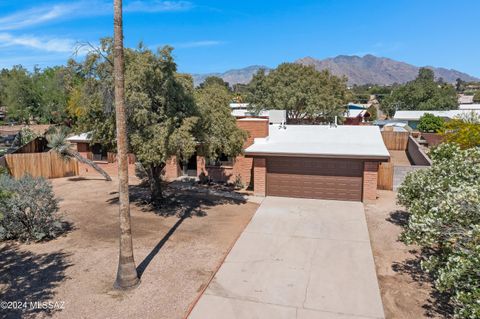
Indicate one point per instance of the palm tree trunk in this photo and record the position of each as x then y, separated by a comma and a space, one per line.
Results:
90, 163
127, 276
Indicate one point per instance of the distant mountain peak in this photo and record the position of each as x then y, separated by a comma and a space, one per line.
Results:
367, 69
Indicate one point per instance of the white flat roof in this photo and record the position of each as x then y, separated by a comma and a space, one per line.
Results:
82, 137
469, 106
351, 141
416, 115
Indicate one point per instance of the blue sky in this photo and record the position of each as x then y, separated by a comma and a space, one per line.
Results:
211, 36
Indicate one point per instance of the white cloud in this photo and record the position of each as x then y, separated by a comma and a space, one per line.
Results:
44, 44
197, 44
75, 9
157, 6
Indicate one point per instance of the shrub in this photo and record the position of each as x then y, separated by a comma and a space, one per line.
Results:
430, 123
464, 131
29, 209
444, 206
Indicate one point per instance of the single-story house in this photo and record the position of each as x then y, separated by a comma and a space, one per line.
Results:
356, 114
318, 161
465, 99
83, 145
469, 107
413, 117
223, 169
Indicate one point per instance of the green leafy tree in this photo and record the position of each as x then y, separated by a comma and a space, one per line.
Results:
51, 92
476, 97
444, 204
20, 96
372, 110
308, 95
423, 93
218, 131
209, 80
430, 123
464, 131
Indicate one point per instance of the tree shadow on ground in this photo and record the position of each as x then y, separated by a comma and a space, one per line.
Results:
438, 304
180, 203
29, 277
399, 218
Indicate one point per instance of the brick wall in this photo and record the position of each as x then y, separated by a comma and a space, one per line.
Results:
259, 176
172, 169
370, 174
242, 165
254, 127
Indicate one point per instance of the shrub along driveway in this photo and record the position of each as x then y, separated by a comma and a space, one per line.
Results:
298, 258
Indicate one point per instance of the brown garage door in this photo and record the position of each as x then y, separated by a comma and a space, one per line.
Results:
339, 179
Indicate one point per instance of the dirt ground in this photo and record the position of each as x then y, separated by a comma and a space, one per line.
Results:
176, 256
406, 291
399, 158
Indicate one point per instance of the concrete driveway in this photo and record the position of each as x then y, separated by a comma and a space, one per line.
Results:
298, 258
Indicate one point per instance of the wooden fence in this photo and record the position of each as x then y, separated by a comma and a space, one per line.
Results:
395, 140
47, 165
385, 176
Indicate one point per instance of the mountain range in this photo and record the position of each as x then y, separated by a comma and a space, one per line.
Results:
368, 69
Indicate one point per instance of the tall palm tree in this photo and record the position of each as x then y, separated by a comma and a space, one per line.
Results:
57, 141
127, 276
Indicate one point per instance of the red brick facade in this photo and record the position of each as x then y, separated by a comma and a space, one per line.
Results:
259, 176
370, 174
172, 169
242, 166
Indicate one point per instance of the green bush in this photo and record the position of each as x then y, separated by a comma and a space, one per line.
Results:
444, 206
430, 123
29, 209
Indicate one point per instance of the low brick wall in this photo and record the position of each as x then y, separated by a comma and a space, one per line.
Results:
433, 139
416, 154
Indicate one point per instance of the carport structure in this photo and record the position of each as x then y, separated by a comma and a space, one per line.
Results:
318, 161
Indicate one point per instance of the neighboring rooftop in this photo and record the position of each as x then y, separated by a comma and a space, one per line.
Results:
465, 99
321, 141
80, 138
469, 106
416, 115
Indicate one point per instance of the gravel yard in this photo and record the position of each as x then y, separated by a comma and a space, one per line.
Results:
175, 255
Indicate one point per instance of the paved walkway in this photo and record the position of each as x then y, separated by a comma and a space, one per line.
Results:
298, 258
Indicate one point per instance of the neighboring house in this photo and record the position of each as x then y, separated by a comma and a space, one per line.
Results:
469, 107
241, 110
83, 144
465, 99
413, 117
382, 123
318, 161
356, 114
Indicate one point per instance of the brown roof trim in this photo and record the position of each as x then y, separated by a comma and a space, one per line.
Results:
377, 158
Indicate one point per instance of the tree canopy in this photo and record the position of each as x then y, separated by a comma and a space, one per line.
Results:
430, 123
166, 116
423, 93
463, 131
39, 96
308, 95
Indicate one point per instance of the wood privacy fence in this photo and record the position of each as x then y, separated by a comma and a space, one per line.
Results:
47, 165
395, 140
385, 176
